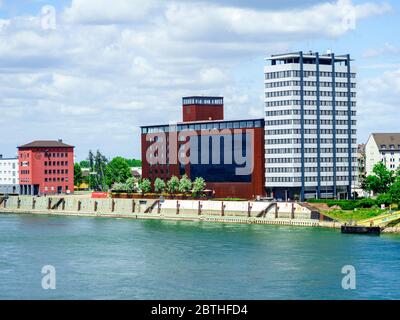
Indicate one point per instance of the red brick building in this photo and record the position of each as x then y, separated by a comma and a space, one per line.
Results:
46, 167
229, 155
202, 109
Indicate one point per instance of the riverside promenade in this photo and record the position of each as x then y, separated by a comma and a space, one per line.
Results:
256, 212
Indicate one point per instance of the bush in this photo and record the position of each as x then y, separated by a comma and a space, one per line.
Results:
131, 184
385, 199
159, 185
347, 204
119, 187
145, 186
185, 185
198, 186
366, 203
173, 185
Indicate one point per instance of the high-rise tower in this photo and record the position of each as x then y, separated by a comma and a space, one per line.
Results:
310, 126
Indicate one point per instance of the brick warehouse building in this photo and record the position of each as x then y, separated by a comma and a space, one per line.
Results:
229, 155
46, 167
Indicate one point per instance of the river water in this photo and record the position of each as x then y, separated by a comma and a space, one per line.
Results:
101, 258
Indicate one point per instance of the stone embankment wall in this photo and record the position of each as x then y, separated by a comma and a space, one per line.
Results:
217, 211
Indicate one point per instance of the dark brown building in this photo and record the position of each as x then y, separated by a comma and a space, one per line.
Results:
202, 108
229, 155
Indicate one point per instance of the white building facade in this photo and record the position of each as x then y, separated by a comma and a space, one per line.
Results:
310, 126
9, 176
382, 147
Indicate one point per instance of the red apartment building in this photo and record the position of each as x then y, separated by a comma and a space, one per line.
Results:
46, 167
204, 117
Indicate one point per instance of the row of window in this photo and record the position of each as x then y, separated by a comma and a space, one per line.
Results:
25, 171
307, 112
383, 153
8, 164
284, 93
205, 126
55, 163
292, 102
308, 169
4, 180
307, 150
391, 147
62, 179
297, 74
307, 179
203, 100
309, 160
25, 155
390, 160
159, 171
13, 173
57, 154
307, 141
324, 84
58, 171
308, 131
307, 121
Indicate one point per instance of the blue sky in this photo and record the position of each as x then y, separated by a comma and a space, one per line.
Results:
110, 66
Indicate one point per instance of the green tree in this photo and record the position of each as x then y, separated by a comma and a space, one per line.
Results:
159, 185
134, 162
185, 185
84, 164
380, 181
394, 191
78, 179
117, 170
385, 198
97, 166
173, 185
145, 186
198, 186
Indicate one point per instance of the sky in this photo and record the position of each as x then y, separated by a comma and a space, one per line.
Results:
91, 72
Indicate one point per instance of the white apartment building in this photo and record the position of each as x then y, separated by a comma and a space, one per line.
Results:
9, 176
382, 147
310, 126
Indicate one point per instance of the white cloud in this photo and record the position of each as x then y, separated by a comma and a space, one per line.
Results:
378, 99
111, 66
213, 76
108, 12
386, 49
197, 21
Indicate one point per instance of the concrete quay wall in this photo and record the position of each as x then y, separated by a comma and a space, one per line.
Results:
207, 211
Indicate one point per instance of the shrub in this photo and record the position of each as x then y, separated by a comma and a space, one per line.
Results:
347, 204
131, 184
198, 186
145, 186
159, 185
173, 185
185, 185
385, 199
119, 187
366, 203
